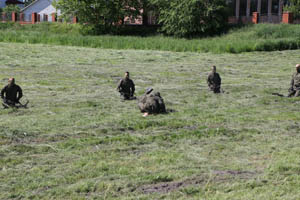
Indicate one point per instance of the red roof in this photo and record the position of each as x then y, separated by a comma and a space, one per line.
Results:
13, 2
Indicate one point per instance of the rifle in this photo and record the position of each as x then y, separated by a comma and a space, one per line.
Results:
23, 105
8, 103
277, 94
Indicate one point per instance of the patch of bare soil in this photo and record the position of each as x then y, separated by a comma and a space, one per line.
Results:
216, 176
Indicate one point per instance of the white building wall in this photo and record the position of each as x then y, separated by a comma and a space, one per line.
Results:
40, 7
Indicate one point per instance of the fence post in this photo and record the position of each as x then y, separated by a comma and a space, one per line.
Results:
75, 20
255, 17
21, 17
34, 18
287, 18
54, 18
13, 17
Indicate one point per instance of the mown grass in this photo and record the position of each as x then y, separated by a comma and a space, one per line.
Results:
78, 140
261, 37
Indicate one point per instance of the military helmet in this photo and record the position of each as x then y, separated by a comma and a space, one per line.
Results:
149, 90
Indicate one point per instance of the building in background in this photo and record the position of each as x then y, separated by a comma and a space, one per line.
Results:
269, 10
42, 7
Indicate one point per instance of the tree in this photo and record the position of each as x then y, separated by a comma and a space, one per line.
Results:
11, 8
98, 12
185, 18
294, 7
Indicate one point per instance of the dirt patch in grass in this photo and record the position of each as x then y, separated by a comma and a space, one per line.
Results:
216, 176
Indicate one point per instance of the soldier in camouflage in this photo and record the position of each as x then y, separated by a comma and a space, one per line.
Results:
294, 90
126, 87
214, 80
151, 103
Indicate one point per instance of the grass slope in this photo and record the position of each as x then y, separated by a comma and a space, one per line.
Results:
79, 141
261, 37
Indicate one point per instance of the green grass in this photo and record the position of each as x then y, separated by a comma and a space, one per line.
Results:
261, 37
77, 140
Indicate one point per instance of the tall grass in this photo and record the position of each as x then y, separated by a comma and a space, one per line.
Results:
78, 140
262, 37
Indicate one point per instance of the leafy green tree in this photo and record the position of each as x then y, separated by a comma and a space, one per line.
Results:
11, 8
99, 12
294, 7
185, 18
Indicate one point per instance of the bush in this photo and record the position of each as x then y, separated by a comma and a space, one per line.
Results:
186, 18
294, 7
261, 37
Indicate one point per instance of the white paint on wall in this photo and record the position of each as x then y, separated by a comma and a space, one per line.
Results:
40, 7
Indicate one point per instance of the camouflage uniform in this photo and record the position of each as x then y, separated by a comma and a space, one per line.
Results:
295, 85
214, 82
126, 88
152, 103
11, 94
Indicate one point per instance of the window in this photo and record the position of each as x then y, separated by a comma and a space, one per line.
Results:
264, 7
275, 6
253, 7
231, 5
243, 7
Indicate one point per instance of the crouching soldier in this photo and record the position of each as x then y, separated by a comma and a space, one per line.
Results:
214, 80
151, 103
294, 90
126, 87
11, 94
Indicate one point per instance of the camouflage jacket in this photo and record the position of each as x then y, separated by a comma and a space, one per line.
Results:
152, 103
214, 80
295, 82
126, 86
13, 93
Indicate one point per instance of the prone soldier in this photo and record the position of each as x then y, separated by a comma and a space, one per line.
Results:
151, 103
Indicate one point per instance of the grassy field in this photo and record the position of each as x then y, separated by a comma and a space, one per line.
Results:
261, 37
78, 140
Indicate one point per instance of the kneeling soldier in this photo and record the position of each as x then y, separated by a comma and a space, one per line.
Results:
11, 94
126, 87
295, 83
214, 80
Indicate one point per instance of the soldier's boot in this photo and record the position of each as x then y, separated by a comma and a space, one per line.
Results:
217, 90
124, 96
5, 105
291, 93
